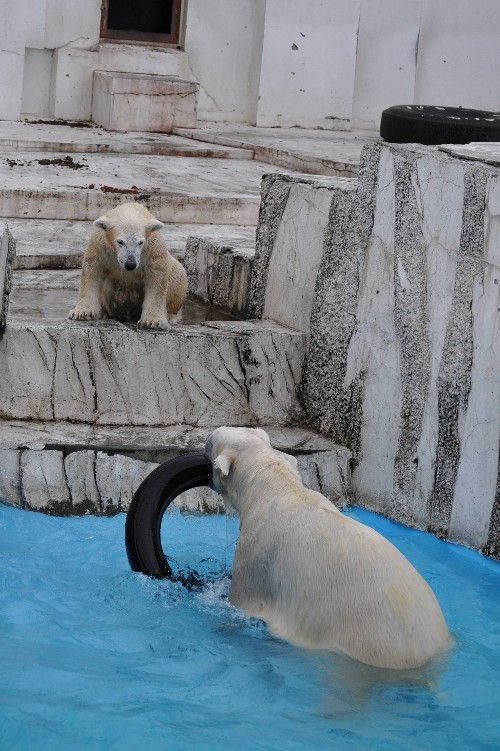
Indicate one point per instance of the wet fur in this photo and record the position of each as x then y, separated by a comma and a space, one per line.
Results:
318, 578
151, 292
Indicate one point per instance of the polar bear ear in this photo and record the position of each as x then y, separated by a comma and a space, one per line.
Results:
262, 434
102, 223
291, 460
154, 225
223, 461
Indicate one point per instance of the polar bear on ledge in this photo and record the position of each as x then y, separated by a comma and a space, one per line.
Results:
319, 579
128, 273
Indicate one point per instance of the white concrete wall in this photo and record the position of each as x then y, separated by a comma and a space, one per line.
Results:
459, 54
386, 59
223, 40
271, 62
308, 63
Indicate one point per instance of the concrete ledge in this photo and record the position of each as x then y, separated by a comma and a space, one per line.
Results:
219, 274
143, 102
68, 469
7, 255
222, 372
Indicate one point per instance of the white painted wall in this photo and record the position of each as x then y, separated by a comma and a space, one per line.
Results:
321, 63
386, 59
459, 54
308, 63
223, 40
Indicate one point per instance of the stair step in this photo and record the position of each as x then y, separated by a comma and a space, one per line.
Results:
98, 469
143, 101
175, 189
60, 244
107, 373
43, 295
314, 152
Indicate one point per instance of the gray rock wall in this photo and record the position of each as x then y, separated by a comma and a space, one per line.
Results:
69, 482
404, 357
7, 254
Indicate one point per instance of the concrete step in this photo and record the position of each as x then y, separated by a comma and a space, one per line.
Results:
67, 139
60, 244
43, 295
142, 101
107, 373
74, 468
175, 189
314, 152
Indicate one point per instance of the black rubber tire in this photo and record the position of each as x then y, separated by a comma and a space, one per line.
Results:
415, 123
144, 517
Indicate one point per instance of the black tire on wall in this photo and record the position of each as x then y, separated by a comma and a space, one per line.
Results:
416, 123
152, 498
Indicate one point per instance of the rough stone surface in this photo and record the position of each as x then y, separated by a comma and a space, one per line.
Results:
290, 229
404, 355
70, 481
117, 479
7, 255
219, 274
142, 102
43, 482
220, 373
10, 476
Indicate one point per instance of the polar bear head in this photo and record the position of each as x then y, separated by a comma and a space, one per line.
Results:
127, 228
247, 448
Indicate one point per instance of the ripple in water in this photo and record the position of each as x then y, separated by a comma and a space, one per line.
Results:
95, 656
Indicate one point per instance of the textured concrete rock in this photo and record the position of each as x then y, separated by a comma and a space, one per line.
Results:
219, 274
143, 102
10, 476
43, 482
82, 483
292, 221
220, 373
404, 354
44, 466
7, 254
117, 478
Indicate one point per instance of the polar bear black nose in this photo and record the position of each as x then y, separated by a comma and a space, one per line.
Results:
130, 264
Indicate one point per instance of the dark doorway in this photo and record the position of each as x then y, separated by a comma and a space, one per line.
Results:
141, 20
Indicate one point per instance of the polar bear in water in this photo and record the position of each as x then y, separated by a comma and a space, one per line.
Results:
319, 579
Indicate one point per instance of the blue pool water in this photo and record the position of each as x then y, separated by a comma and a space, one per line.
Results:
94, 656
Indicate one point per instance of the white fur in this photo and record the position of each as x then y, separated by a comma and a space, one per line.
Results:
128, 273
318, 578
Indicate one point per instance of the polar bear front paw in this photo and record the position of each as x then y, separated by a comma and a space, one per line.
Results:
153, 323
84, 314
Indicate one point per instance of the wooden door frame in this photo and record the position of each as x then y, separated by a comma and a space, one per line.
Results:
143, 36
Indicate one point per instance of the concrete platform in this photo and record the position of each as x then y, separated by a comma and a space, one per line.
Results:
87, 138
176, 189
97, 469
221, 372
61, 243
41, 295
317, 152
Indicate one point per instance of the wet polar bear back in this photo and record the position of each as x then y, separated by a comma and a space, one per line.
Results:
318, 579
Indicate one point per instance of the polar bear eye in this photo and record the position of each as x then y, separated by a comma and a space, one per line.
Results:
140, 243
121, 243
